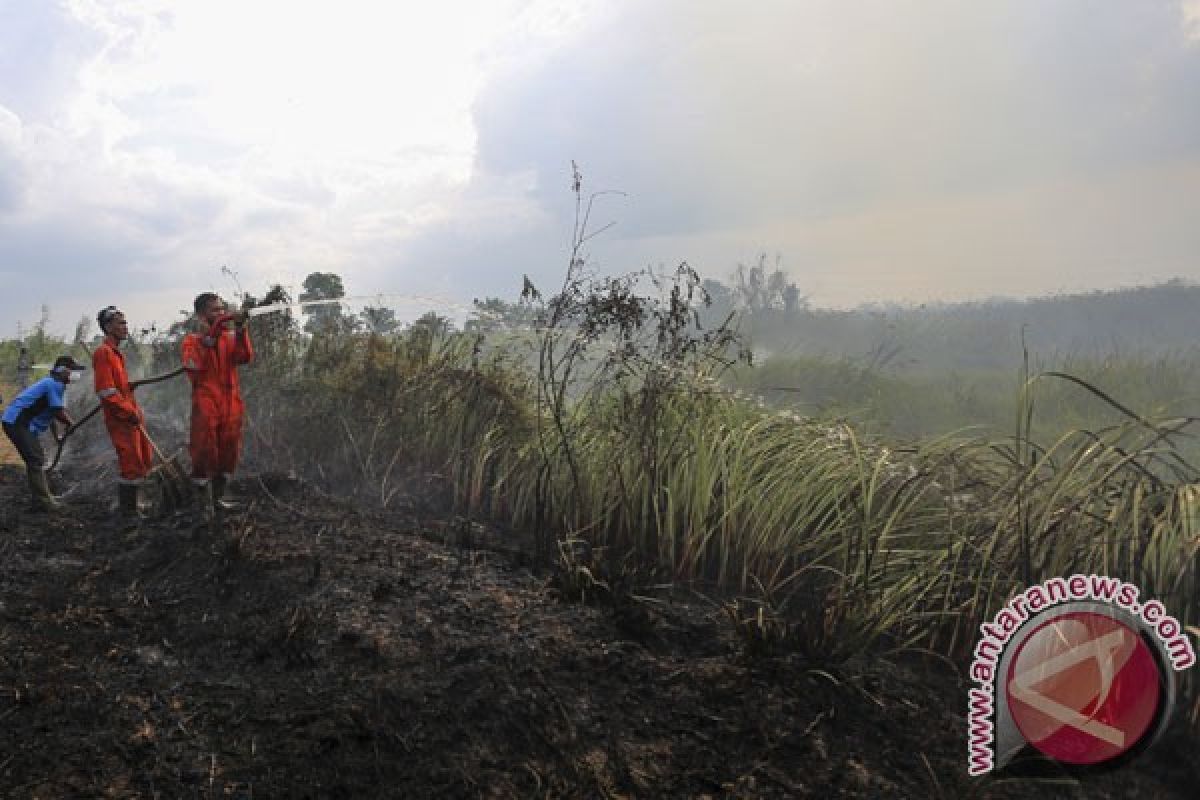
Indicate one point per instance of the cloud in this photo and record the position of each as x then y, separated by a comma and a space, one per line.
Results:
42, 50
818, 107
940, 148
1190, 11
176, 137
738, 133
13, 175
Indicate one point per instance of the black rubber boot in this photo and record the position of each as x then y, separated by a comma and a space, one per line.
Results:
219, 485
127, 507
204, 499
39, 488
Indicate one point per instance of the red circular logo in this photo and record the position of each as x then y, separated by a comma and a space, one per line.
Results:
1083, 688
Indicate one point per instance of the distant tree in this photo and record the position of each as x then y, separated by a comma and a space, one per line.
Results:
493, 314
757, 290
83, 328
327, 317
38, 340
277, 295
379, 320
432, 325
793, 301
274, 332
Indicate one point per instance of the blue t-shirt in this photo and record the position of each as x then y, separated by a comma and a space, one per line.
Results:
34, 407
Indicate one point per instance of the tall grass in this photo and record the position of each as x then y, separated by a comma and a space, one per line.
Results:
841, 540
636, 462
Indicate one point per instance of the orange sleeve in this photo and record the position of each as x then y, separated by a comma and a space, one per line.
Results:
193, 356
107, 390
102, 371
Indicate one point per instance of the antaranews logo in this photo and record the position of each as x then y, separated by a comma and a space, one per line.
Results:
1078, 668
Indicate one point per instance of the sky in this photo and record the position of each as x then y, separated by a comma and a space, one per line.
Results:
876, 151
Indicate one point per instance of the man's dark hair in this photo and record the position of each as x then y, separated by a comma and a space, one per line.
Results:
105, 316
202, 301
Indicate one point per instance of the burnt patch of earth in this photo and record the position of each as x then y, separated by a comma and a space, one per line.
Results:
306, 648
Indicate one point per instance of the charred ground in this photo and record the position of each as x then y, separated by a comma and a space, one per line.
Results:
309, 649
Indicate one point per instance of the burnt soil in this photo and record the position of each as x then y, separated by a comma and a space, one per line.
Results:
309, 649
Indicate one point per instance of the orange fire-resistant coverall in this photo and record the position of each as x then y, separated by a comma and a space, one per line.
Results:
211, 361
122, 416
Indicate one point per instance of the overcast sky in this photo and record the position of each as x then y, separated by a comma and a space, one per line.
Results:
932, 150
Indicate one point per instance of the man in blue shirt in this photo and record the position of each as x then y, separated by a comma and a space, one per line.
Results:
29, 415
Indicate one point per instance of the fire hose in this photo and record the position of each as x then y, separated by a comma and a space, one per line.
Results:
62, 440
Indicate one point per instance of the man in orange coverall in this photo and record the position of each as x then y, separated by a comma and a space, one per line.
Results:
122, 416
211, 359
